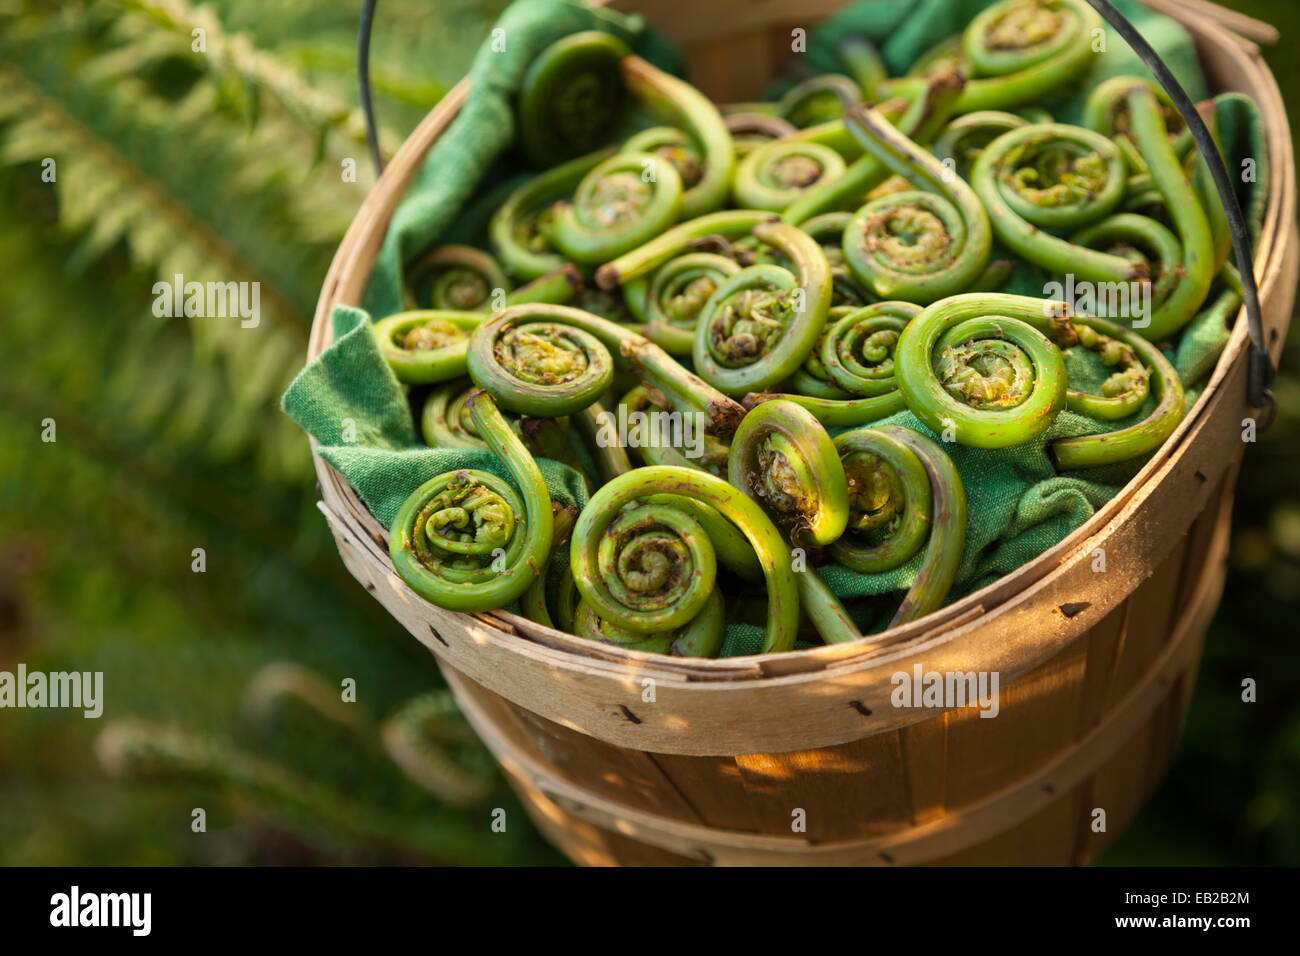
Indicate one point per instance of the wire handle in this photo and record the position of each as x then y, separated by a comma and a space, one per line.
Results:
1260, 369
363, 81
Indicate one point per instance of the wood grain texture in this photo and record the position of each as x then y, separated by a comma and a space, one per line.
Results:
1043, 817
1096, 669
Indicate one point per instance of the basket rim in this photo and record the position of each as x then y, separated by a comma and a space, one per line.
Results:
356, 253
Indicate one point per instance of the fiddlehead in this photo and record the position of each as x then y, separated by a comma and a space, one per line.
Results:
982, 368
427, 346
657, 566
783, 459
572, 97
905, 494
672, 146
1147, 243
818, 99
591, 555
928, 108
1053, 177
849, 378
857, 350
1106, 112
552, 360
1141, 368
702, 636
963, 139
459, 278
621, 204
445, 421
986, 370
519, 229
775, 175
1015, 51
918, 245
679, 104
677, 295
468, 540
752, 130
760, 324
944, 57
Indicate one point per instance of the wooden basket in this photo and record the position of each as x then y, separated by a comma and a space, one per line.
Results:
624, 757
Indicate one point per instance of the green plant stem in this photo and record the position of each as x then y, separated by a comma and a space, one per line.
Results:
901, 475
620, 205
426, 347
468, 541
916, 245
680, 104
516, 229
553, 360
783, 459
729, 224
1022, 211
927, 112
607, 503
981, 369
1198, 263
761, 324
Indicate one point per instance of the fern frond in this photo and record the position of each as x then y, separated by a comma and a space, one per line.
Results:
233, 56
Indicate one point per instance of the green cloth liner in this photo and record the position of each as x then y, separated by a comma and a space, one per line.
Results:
1018, 505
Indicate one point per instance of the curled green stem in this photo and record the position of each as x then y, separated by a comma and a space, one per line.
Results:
676, 297
572, 97
729, 224
1053, 177
460, 279
1193, 228
519, 229
553, 360
598, 544
426, 347
752, 130
679, 104
819, 99
783, 459
1016, 51
922, 244
928, 109
777, 174
984, 369
468, 540
621, 204
905, 494
761, 324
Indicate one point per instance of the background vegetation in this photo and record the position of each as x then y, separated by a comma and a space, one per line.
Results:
227, 166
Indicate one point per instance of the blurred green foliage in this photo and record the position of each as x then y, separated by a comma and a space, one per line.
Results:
227, 165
